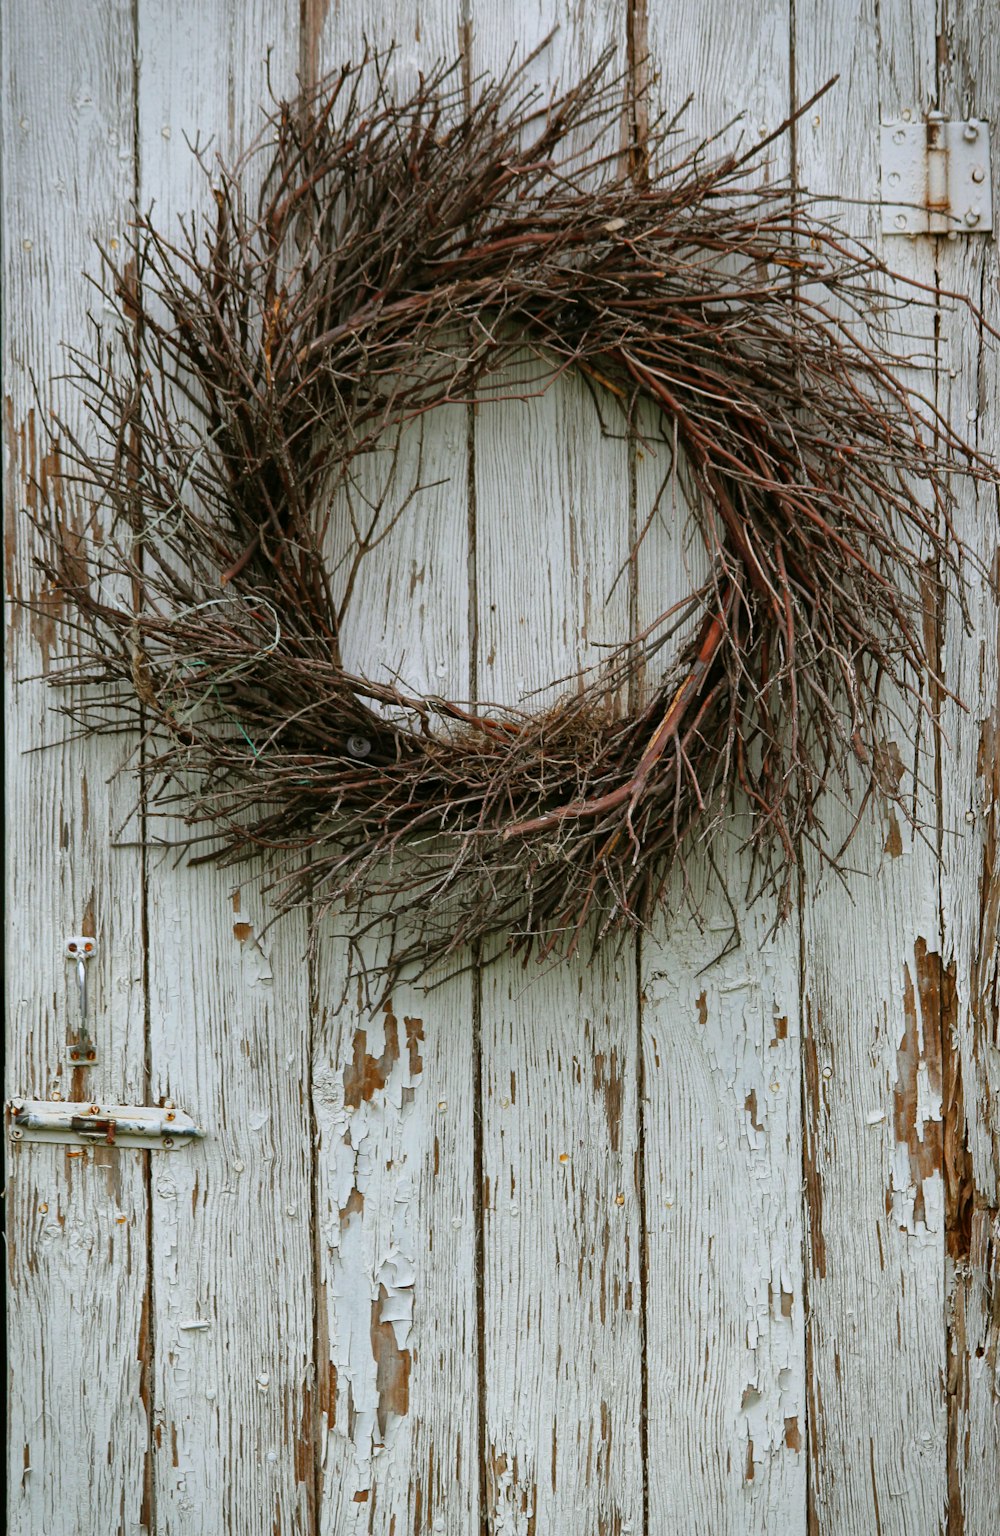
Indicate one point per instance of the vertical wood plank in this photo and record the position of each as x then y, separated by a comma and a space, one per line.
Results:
562, 1294
76, 1219
393, 1091
969, 85
229, 1006
721, 1037
873, 958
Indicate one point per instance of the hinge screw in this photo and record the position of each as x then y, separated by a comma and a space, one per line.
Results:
973, 216
971, 133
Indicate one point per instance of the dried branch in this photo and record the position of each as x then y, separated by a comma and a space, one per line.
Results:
397, 257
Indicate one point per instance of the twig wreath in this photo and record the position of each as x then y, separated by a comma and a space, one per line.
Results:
397, 257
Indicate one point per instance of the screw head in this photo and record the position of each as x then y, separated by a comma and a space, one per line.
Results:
358, 746
16, 1134
80, 946
973, 216
168, 1142
978, 174
970, 133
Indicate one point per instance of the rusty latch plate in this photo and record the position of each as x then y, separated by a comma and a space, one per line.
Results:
936, 177
109, 1125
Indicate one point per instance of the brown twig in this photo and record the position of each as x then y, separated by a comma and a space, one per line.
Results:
284, 343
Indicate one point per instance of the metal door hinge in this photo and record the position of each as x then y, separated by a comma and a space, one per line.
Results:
936, 177
108, 1125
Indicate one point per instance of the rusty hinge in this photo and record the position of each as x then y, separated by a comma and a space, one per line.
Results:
115, 1125
936, 177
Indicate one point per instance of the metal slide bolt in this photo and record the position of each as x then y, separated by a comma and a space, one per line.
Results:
81, 948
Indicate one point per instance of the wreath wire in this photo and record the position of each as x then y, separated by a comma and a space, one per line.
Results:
398, 256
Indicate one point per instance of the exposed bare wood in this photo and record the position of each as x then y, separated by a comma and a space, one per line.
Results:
393, 1092
969, 84
703, 1237
234, 1383
76, 1238
873, 972
720, 1019
562, 1224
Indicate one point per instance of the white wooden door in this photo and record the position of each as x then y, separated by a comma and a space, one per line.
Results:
680, 1241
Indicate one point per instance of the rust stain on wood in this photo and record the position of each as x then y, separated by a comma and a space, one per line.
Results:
326, 1398
496, 1467
637, 90
810, 1130
355, 1206
874, 1480
11, 512
750, 1105
606, 1439
984, 981
326, 1375
367, 1074
392, 1373
893, 844
959, 1179
144, 1356
414, 1034
920, 1048
608, 1082
34, 481
312, 18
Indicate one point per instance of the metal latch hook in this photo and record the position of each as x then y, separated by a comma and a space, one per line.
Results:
80, 949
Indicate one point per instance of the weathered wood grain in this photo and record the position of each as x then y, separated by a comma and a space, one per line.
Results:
969, 393
393, 1090
562, 1221
873, 973
76, 1233
229, 1006
698, 1238
720, 1020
